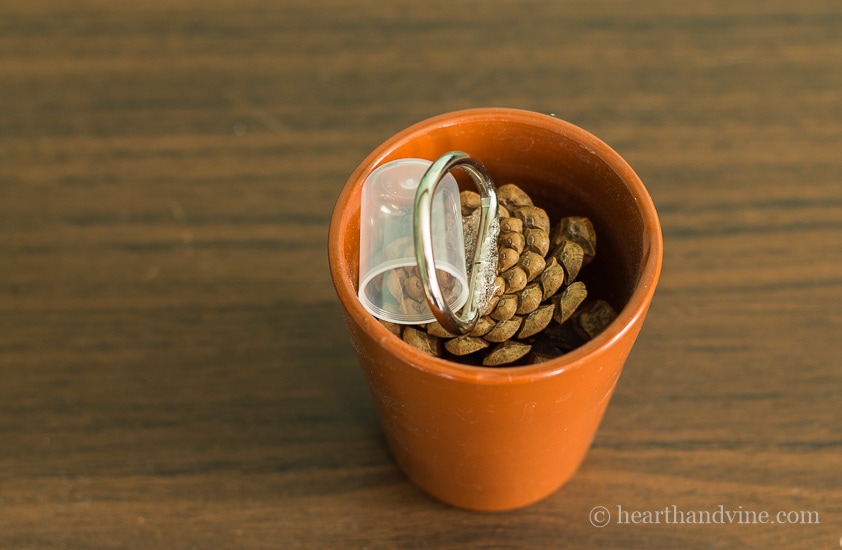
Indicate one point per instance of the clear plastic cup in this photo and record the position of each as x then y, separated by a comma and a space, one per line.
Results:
390, 287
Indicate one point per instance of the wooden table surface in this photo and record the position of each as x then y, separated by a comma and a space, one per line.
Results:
174, 372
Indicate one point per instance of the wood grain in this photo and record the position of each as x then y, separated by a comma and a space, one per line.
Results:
175, 373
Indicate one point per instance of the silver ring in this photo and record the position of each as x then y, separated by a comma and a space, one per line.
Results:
423, 235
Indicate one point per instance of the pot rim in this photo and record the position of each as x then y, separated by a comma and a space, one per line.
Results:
634, 309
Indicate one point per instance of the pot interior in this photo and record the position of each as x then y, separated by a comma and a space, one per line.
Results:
565, 170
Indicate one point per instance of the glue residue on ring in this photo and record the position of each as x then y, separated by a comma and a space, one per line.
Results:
486, 268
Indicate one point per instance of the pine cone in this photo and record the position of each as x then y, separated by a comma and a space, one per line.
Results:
532, 315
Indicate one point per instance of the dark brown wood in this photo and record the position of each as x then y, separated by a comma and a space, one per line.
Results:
174, 372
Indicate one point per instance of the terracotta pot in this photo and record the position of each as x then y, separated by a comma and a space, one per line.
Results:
502, 438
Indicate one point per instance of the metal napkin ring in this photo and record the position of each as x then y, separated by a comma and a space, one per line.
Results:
423, 236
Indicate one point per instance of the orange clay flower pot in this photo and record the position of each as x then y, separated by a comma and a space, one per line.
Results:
501, 438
